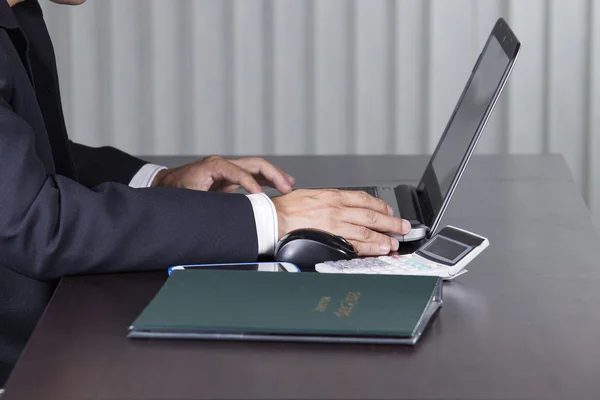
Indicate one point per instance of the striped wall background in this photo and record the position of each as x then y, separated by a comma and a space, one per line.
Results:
325, 76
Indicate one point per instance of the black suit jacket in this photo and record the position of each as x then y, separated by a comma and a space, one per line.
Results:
66, 209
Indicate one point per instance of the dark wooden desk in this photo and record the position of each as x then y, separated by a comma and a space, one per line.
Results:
524, 323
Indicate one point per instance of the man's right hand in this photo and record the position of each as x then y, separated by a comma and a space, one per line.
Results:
354, 215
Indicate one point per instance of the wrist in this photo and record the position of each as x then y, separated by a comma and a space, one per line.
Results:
159, 178
280, 215
265, 218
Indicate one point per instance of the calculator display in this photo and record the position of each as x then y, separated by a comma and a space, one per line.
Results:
445, 250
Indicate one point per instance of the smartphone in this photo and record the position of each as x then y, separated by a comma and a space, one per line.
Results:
256, 266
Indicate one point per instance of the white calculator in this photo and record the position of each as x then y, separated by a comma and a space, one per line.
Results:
445, 255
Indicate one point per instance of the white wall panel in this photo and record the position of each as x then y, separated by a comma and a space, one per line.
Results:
333, 76
292, 76
211, 75
371, 76
567, 60
126, 87
451, 59
85, 72
411, 77
325, 76
250, 59
166, 95
526, 91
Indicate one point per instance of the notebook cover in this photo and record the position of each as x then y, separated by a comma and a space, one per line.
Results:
214, 304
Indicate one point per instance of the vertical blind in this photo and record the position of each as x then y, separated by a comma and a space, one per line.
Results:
325, 77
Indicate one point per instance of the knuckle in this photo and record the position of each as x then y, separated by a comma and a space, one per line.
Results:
374, 248
257, 159
383, 205
364, 196
330, 194
336, 195
364, 233
212, 158
367, 249
371, 217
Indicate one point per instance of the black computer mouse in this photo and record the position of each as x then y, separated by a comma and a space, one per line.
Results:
312, 246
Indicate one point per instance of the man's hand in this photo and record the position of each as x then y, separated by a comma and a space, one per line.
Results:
215, 173
354, 215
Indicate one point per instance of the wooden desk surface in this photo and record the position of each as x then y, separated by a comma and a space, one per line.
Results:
524, 323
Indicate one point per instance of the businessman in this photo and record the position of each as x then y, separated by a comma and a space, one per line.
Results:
68, 209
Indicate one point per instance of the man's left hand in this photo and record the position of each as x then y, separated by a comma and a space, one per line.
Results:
215, 173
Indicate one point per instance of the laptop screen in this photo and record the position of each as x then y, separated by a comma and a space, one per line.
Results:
463, 126
466, 123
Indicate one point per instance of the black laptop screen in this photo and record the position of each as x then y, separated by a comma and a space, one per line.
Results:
464, 126
469, 115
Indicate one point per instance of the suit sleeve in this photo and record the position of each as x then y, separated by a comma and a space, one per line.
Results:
96, 165
51, 226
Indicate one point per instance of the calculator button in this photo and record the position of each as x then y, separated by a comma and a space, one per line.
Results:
357, 270
387, 265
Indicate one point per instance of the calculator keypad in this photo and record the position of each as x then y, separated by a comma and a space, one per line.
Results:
388, 265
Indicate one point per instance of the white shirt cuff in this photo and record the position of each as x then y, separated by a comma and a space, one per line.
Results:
144, 177
265, 217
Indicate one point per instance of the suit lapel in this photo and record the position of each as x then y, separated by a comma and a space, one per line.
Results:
38, 58
9, 22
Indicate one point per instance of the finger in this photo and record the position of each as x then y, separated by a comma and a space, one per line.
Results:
273, 176
369, 249
251, 164
375, 220
366, 235
229, 188
232, 174
291, 180
362, 199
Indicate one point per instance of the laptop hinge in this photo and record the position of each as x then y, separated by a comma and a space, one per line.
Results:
424, 207
407, 204
417, 201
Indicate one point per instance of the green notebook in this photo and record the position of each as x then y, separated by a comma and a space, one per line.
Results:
249, 305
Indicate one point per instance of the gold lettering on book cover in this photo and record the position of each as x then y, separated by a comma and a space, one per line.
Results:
348, 304
323, 304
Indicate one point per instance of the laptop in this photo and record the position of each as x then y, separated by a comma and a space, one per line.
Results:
425, 204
